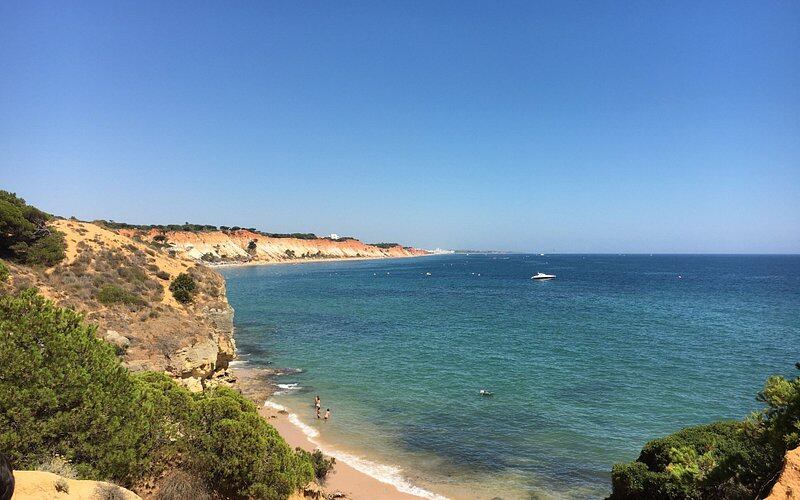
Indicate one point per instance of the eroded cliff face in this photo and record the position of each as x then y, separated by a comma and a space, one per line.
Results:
122, 286
244, 245
788, 485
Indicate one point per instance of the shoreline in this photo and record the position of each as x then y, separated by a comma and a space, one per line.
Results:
359, 478
352, 475
306, 261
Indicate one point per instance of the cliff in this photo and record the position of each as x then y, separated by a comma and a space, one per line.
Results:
246, 245
788, 485
39, 485
122, 286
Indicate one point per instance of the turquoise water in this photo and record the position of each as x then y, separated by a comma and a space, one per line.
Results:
585, 368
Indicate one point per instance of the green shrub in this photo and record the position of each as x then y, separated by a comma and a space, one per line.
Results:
4, 273
183, 288
163, 275
63, 392
289, 254
237, 448
322, 464
209, 257
24, 235
113, 294
725, 460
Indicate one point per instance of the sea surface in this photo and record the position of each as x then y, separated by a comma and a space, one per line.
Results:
584, 369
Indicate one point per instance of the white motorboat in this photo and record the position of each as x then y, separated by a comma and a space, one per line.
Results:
542, 276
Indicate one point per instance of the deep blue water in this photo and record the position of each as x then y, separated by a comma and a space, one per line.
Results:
585, 368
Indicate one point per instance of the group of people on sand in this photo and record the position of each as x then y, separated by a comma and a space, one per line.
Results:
318, 405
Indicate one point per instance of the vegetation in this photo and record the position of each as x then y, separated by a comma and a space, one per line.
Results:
179, 485
113, 294
289, 254
210, 257
385, 245
4, 273
24, 235
68, 397
322, 464
199, 228
183, 288
194, 228
725, 460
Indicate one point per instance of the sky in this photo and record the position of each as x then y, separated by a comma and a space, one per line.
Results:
517, 125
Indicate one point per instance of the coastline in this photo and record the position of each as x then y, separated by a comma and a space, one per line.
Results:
358, 478
351, 475
308, 261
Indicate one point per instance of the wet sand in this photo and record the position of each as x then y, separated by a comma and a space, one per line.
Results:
355, 484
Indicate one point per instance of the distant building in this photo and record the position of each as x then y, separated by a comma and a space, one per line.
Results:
334, 236
441, 251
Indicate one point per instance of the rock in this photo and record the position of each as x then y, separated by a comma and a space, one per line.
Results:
119, 341
39, 485
198, 360
194, 384
788, 485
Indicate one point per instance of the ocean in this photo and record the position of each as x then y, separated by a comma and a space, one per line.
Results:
584, 369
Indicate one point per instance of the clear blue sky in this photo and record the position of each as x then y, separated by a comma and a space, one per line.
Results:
536, 126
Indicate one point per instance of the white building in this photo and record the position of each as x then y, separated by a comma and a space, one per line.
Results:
334, 236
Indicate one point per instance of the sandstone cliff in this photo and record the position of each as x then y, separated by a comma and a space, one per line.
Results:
788, 485
38, 485
246, 245
121, 285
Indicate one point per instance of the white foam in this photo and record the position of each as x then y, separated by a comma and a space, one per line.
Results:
290, 387
307, 430
384, 473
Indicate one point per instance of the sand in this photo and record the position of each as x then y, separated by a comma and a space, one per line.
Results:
353, 483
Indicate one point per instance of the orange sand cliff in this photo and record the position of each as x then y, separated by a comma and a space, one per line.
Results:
233, 246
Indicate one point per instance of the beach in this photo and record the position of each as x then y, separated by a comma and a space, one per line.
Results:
344, 478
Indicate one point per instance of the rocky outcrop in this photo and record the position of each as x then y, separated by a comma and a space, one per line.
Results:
39, 485
119, 341
246, 245
788, 485
207, 358
150, 330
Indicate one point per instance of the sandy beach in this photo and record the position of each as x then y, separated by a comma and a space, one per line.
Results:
344, 478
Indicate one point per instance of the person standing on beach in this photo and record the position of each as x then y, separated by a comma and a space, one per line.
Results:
318, 405
327, 414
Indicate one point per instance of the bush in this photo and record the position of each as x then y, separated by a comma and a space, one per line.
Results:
183, 288
322, 465
178, 485
113, 294
209, 257
163, 275
725, 460
4, 273
239, 449
63, 391
24, 235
